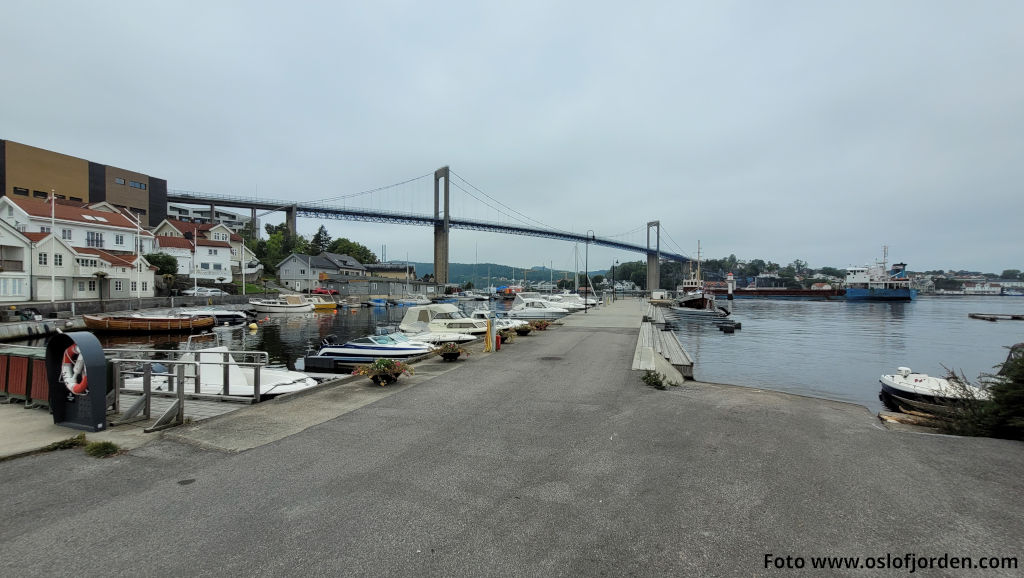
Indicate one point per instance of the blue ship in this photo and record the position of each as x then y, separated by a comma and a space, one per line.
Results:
877, 283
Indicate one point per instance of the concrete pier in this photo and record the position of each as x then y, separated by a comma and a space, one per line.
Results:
547, 457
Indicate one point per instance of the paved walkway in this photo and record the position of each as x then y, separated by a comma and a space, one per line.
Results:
547, 457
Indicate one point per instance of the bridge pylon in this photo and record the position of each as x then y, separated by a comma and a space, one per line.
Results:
441, 227
653, 259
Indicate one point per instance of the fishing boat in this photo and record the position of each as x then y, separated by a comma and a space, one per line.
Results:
693, 300
440, 318
147, 323
878, 282
285, 304
334, 357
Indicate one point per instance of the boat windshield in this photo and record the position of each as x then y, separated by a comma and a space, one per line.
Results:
449, 315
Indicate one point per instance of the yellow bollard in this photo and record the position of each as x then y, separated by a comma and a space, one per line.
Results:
488, 338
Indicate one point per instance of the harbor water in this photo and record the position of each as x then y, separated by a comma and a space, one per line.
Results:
838, 349
830, 349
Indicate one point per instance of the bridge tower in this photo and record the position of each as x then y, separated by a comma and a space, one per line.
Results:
441, 227
653, 259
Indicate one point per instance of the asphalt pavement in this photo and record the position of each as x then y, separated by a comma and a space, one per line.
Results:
547, 457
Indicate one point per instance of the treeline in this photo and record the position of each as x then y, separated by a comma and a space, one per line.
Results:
279, 244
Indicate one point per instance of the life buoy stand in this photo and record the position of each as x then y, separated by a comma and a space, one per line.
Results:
72, 371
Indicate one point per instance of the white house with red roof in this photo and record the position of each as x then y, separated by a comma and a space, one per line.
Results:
208, 250
79, 252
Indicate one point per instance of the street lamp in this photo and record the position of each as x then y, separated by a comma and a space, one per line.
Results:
586, 268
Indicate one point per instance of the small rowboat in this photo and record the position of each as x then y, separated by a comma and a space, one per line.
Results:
143, 323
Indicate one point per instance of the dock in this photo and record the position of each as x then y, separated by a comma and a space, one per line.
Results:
996, 316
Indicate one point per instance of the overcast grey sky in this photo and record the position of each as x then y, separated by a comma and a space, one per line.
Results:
779, 130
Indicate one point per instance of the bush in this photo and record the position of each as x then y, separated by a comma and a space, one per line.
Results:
1001, 415
101, 449
654, 379
75, 442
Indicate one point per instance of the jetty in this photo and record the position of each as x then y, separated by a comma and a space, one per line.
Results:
549, 456
996, 316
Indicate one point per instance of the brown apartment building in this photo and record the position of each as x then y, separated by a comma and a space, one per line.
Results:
27, 171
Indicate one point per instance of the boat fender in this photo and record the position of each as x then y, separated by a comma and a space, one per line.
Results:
72, 371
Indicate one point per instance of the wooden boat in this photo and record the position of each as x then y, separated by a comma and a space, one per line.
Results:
143, 323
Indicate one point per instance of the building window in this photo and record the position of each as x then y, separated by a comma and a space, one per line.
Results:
40, 195
119, 240
135, 286
58, 260
42, 258
204, 266
92, 285
76, 199
234, 252
94, 239
145, 286
119, 180
302, 271
44, 229
119, 286
65, 234
137, 185
81, 286
216, 266
20, 191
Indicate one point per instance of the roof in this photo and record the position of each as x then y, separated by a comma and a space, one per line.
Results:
41, 209
35, 237
211, 243
336, 260
168, 242
121, 260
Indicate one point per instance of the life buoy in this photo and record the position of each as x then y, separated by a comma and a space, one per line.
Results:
72, 371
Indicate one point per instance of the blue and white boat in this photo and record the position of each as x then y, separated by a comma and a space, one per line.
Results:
337, 357
879, 283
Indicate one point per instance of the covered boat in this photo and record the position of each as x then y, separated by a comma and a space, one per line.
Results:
221, 316
147, 323
440, 318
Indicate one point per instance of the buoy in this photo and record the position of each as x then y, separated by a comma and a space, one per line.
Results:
72, 371
253, 326
267, 318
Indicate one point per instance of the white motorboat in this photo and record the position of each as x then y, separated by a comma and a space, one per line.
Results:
221, 316
438, 338
240, 377
532, 308
415, 299
922, 391
498, 323
440, 318
471, 296
284, 304
333, 356
571, 301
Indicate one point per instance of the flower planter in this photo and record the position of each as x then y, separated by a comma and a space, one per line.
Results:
523, 331
384, 379
451, 356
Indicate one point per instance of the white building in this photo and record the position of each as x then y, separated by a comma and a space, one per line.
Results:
207, 251
75, 251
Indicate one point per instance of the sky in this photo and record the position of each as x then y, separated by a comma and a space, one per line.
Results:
818, 131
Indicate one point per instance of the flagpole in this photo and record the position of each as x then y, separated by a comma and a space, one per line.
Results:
53, 270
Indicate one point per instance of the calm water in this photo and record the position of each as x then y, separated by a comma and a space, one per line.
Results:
837, 350
827, 349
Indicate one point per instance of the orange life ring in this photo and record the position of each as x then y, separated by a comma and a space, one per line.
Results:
72, 371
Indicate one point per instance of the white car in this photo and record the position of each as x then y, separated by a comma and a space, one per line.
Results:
204, 292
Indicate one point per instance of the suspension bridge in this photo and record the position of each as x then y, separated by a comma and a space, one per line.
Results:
441, 220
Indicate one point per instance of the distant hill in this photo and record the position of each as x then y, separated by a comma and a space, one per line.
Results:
500, 274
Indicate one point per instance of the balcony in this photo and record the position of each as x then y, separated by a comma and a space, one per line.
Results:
11, 266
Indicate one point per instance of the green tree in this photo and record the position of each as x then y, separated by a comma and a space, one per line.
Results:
355, 250
1010, 274
165, 264
320, 242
